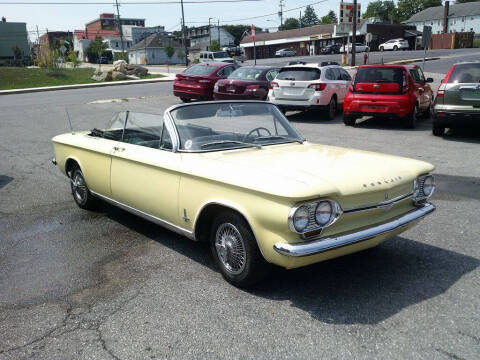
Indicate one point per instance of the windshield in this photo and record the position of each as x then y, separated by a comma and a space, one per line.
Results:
299, 74
245, 73
200, 69
220, 54
230, 125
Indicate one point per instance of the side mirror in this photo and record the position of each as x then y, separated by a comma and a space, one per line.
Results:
429, 80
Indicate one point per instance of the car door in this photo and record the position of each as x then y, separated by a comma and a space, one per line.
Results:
333, 85
144, 171
427, 89
419, 83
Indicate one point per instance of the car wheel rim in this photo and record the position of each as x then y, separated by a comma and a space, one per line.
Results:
230, 248
79, 187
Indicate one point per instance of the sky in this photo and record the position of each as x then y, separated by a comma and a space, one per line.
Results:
74, 17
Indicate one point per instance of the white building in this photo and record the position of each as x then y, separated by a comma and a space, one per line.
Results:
461, 18
201, 36
136, 34
151, 51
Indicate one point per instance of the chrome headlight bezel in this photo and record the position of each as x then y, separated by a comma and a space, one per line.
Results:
419, 194
312, 224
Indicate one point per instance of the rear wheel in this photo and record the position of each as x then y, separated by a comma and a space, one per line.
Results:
236, 252
82, 196
438, 130
395, 48
349, 120
282, 110
185, 100
381, 48
411, 119
332, 108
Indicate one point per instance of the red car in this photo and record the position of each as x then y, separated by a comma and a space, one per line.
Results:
197, 81
399, 91
246, 83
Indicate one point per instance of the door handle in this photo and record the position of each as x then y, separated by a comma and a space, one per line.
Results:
117, 148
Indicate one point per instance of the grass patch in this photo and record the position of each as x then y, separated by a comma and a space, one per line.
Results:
152, 76
476, 43
19, 78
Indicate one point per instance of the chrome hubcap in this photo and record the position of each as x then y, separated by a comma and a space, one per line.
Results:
230, 248
79, 187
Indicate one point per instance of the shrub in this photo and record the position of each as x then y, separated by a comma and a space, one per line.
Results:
120, 56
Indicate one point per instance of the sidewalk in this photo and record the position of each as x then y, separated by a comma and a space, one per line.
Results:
167, 78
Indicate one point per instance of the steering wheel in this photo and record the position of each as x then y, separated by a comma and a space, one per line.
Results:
258, 132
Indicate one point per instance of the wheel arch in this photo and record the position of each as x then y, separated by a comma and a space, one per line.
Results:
206, 215
70, 163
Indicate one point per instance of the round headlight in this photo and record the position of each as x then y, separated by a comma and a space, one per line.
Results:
323, 213
300, 218
428, 185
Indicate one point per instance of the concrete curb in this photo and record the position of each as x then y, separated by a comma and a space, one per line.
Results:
83, 86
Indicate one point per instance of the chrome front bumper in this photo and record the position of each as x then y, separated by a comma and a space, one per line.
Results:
330, 243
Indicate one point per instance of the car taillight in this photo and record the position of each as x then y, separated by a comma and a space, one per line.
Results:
252, 87
441, 89
272, 85
405, 87
318, 86
351, 88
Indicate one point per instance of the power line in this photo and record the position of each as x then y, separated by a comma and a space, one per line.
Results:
126, 3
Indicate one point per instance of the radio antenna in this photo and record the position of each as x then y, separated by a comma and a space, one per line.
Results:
69, 121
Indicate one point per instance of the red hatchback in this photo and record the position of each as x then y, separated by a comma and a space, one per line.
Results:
197, 81
246, 83
399, 91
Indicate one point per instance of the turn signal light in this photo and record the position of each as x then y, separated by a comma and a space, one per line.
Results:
272, 85
318, 86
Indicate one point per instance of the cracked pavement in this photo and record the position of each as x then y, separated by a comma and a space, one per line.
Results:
109, 285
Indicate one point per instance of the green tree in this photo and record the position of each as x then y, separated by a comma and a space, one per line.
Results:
333, 16
72, 57
17, 52
407, 8
237, 31
289, 23
309, 18
169, 51
326, 20
96, 49
384, 10
215, 46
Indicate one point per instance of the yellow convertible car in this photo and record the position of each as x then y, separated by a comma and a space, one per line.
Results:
238, 175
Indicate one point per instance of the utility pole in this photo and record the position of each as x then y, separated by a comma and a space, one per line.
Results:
209, 33
218, 30
120, 25
184, 32
354, 31
280, 13
300, 19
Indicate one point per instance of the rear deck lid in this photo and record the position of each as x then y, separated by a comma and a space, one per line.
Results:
379, 80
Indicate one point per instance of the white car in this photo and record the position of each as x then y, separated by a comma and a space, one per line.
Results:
394, 44
286, 52
359, 47
305, 86
215, 56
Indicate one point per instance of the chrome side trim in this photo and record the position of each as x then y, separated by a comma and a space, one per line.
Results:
326, 244
385, 204
154, 219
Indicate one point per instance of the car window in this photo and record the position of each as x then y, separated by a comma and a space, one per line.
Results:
228, 70
345, 75
220, 54
299, 74
143, 129
379, 75
200, 69
465, 73
417, 75
330, 75
246, 73
271, 74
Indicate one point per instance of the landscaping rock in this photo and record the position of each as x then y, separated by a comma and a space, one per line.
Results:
102, 76
117, 75
140, 70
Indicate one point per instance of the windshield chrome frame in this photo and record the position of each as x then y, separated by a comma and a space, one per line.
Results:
172, 128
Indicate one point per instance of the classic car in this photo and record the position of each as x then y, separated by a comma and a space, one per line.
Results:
237, 175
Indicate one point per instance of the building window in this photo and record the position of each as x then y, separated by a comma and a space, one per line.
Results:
153, 54
116, 43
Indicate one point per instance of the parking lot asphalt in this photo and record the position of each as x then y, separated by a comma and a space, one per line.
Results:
109, 285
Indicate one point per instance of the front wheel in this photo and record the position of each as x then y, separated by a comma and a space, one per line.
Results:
236, 252
381, 48
80, 192
395, 48
332, 108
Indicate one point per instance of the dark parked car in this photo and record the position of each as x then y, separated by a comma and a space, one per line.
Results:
458, 98
197, 81
103, 60
247, 82
331, 49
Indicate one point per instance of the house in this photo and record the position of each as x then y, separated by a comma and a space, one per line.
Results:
202, 35
55, 38
13, 34
107, 21
83, 38
136, 34
461, 18
151, 51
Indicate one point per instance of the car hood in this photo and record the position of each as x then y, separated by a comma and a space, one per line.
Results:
302, 171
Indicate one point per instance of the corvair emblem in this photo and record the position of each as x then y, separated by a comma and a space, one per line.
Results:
386, 181
376, 86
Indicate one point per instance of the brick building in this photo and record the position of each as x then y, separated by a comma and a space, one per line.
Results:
108, 21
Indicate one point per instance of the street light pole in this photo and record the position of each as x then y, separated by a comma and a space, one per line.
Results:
184, 32
354, 31
119, 25
209, 33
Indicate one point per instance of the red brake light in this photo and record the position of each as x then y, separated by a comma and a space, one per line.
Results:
405, 87
318, 86
253, 87
272, 85
441, 89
